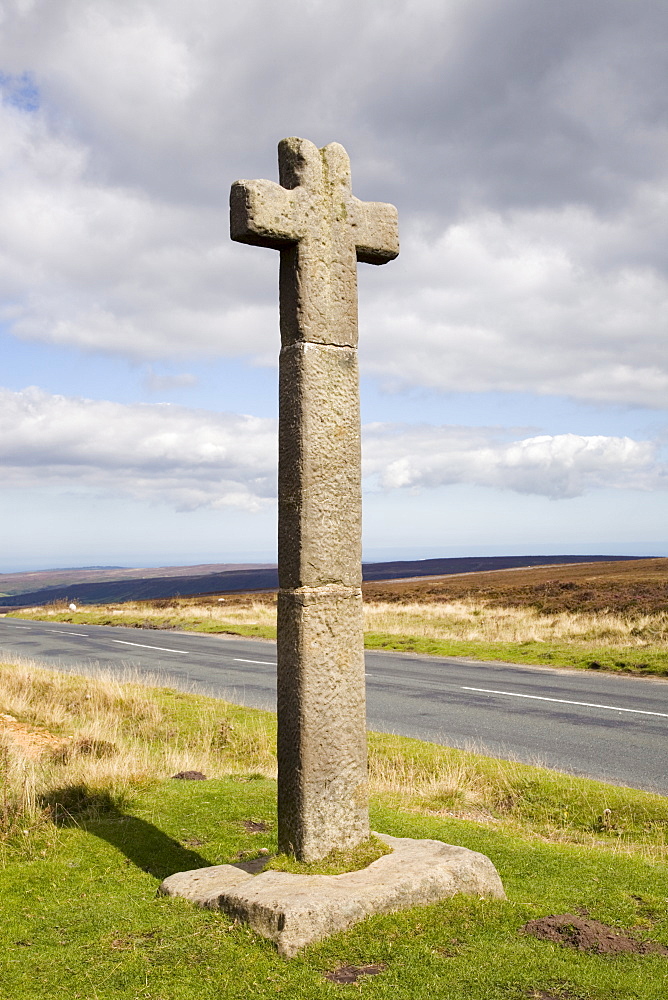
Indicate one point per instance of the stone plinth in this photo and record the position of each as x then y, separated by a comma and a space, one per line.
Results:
296, 910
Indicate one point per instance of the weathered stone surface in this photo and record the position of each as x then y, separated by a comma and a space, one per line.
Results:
322, 754
322, 231
319, 480
199, 884
295, 910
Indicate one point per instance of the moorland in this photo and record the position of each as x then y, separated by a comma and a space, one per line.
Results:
596, 616
97, 585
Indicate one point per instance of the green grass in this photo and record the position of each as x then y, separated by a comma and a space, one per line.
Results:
534, 802
182, 623
81, 918
336, 863
642, 661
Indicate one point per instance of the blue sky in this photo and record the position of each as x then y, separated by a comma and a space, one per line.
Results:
513, 358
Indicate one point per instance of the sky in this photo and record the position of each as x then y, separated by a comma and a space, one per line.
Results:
514, 368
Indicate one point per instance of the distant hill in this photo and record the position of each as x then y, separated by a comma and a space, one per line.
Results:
470, 564
46, 579
117, 586
637, 586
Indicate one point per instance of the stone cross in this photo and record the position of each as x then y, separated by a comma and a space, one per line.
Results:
322, 230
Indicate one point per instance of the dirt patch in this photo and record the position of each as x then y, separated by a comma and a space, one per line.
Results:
589, 935
31, 741
549, 995
190, 776
193, 842
251, 826
351, 973
131, 940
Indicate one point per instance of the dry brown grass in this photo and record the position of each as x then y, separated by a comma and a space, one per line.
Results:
238, 610
460, 790
467, 619
228, 612
475, 620
116, 737
110, 735
509, 795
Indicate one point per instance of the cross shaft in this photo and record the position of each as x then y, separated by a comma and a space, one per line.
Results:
321, 230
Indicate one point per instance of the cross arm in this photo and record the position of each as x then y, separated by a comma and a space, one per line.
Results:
376, 229
263, 213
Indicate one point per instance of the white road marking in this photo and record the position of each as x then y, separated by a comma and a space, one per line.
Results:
63, 632
16, 626
563, 701
163, 649
265, 663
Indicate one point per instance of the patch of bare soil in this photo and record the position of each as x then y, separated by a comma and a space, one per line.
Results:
130, 942
190, 776
351, 973
589, 935
31, 741
252, 826
549, 995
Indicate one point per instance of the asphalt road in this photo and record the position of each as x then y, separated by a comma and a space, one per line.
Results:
606, 727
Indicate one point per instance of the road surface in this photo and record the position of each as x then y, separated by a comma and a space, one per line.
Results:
599, 725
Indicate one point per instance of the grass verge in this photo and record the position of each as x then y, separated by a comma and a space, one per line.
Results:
191, 622
84, 850
642, 660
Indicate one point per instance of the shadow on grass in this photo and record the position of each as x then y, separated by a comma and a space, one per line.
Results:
141, 842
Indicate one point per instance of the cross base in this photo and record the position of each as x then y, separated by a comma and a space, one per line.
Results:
296, 910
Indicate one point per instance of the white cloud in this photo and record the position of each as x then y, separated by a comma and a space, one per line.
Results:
556, 466
525, 145
158, 452
189, 458
114, 269
527, 301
